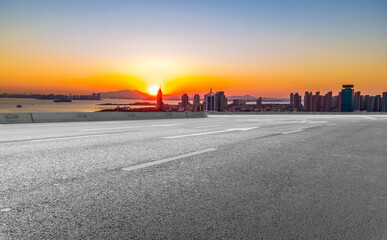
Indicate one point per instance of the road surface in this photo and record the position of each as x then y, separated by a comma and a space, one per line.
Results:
221, 177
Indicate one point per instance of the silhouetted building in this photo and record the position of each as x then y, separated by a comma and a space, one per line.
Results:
357, 101
209, 101
220, 102
328, 101
259, 101
384, 102
296, 102
196, 103
160, 104
292, 99
307, 99
184, 101
378, 103
347, 98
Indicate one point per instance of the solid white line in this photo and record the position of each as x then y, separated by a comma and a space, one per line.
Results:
214, 132
144, 165
332, 124
366, 117
117, 128
298, 130
64, 138
207, 126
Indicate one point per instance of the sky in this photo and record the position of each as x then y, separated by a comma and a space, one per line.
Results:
261, 48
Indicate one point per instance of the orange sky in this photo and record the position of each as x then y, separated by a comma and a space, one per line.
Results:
45, 51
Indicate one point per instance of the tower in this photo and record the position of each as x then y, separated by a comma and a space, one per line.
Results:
160, 104
209, 98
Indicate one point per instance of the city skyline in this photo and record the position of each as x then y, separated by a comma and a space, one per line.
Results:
250, 47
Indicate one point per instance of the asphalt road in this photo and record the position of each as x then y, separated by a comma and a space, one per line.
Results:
223, 177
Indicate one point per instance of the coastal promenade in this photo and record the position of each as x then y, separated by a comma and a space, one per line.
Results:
221, 177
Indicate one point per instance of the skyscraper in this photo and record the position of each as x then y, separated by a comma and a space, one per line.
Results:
328, 102
384, 102
357, 101
220, 102
347, 98
291, 99
209, 100
259, 101
160, 104
184, 101
297, 102
196, 102
307, 100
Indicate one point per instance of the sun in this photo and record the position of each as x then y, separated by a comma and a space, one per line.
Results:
153, 90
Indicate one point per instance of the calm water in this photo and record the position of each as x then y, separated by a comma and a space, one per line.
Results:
35, 105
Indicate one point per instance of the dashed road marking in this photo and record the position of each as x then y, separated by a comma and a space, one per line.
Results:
371, 118
298, 130
129, 127
64, 138
332, 124
144, 165
207, 126
213, 132
5, 210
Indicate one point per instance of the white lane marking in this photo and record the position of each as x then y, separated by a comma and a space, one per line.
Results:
207, 126
317, 122
144, 165
64, 138
366, 117
298, 130
214, 132
129, 127
332, 124
5, 210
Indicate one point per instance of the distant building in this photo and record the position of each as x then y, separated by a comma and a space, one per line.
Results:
308, 102
291, 100
259, 101
297, 102
196, 103
357, 101
209, 102
347, 98
160, 104
384, 102
328, 102
220, 102
184, 101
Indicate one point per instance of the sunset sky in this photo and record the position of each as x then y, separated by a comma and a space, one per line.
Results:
261, 48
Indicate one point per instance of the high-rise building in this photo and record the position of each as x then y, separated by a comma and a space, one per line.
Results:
220, 102
328, 102
196, 102
291, 99
347, 98
297, 102
307, 100
357, 101
384, 102
315, 101
209, 100
259, 101
160, 104
378, 103
184, 101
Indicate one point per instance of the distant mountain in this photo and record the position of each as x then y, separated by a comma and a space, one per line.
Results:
245, 97
251, 98
127, 94
134, 94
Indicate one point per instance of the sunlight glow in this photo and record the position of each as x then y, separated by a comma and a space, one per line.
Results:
153, 90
